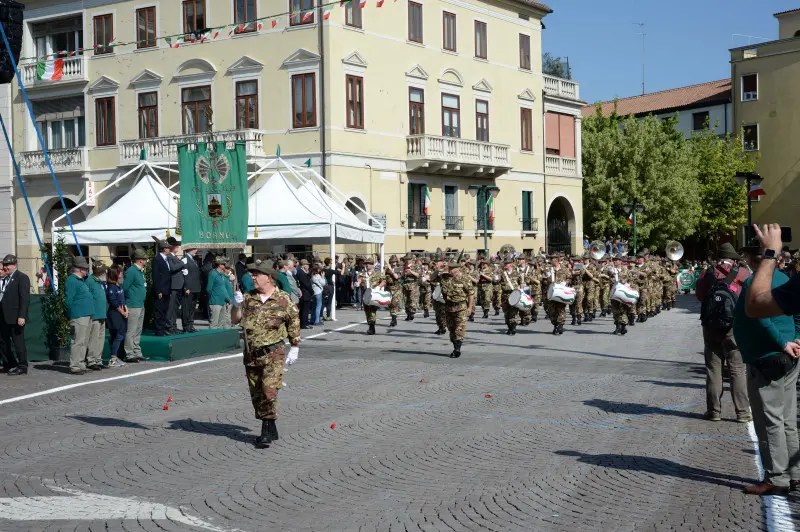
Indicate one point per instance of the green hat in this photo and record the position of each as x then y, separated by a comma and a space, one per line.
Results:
393, 258
303, 262
138, 254
264, 268
80, 262
368, 260
453, 264
646, 252
221, 260
726, 251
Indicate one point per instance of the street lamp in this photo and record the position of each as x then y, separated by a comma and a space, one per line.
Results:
633, 208
752, 180
493, 191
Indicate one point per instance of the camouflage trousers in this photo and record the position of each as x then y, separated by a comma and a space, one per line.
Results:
558, 313
438, 310
411, 296
265, 378
525, 316
424, 298
620, 311
371, 313
588, 297
576, 309
497, 294
642, 304
511, 314
672, 292
456, 317
397, 299
536, 294
605, 295
486, 291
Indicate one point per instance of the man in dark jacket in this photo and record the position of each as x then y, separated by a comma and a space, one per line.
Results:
162, 270
241, 268
176, 284
191, 289
307, 295
15, 294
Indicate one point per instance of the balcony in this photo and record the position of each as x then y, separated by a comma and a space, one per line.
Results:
458, 157
555, 165
419, 222
489, 225
453, 224
165, 149
530, 225
561, 88
73, 70
67, 160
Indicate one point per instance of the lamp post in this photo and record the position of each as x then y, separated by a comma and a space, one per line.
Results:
633, 208
751, 179
493, 191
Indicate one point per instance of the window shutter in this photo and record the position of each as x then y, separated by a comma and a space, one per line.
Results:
410, 201
526, 205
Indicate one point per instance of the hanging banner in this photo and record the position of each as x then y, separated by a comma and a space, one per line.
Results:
89, 194
213, 204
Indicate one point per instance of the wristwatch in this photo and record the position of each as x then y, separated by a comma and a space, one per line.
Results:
770, 254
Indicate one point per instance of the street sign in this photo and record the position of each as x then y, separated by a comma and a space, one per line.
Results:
380, 218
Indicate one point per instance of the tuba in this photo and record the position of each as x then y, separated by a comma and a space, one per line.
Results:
674, 251
597, 250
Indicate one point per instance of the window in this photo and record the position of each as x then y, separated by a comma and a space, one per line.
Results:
63, 134
194, 15
244, 12
417, 217
750, 137
414, 22
559, 132
61, 36
749, 87
524, 52
302, 12
247, 105
196, 104
304, 100
700, 120
526, 124
452, 221
106, 123
449, 31
103, 33
416, 111
527, 211
355, 101
352, 14
146, 27
482, 120
451, 116
480, 39
148, 115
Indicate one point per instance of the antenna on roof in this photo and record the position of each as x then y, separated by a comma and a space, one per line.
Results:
643, 34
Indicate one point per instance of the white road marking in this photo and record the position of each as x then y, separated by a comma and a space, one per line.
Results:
777, 515
150, 371
80, 506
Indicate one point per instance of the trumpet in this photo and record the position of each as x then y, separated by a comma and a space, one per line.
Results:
674, 251
597, 250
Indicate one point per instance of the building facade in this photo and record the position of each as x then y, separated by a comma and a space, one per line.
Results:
764, 98
402, 106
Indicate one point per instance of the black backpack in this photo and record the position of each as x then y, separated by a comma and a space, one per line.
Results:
718, 308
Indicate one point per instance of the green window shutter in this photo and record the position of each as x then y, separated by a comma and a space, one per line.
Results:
410, 202
526, 205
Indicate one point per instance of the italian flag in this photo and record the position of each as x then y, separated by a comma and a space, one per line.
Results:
427, 201
307, 16
174, 42
380, 3
327, 14
629, 221
50, 70
490, 206
362, 3
756, 191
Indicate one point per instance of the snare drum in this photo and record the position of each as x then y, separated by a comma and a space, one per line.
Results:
375, 297
521, 300
625, 294
561, 293
437, 294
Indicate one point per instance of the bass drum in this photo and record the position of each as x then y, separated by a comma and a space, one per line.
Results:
375, 297
625, 294
521, 300
561, 293
437, 294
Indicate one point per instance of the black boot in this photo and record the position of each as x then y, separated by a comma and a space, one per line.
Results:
471, 317
640, 318
535, 316
513, 328
411, 317
630, 320
587, 317
603, 314
555, 330
486, 314
394, 322
579, 320
560, 329
497, 312
426, 314
456, 349
439, 331
574, 319
263, 441
273, 430
624, 330
618, 329
371, 329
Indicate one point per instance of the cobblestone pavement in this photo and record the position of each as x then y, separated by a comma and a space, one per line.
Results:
585, 431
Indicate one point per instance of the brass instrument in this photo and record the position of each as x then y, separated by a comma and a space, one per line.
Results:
674, 251
597, 250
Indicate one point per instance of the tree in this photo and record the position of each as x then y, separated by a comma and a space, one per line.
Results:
646, 160
554, 66
723, 202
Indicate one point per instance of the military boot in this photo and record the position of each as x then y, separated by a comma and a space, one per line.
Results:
618, 329
535, 316
560, 329
371, 329
273, 429
393, 322
574, 319
579, 320
263, 441
456, 349
630, 320
486, 314
411, 317
603, 313
513, 328
555, 329
587, 317
471, 317
497, 312
439, 331
426, 314
623, 330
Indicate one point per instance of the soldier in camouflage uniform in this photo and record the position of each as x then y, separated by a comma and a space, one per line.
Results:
370, 279
485, 286
523, 269
497, 287
472, 273
459, 303
619, 274
438, 308
546, 279
392, 278
558, 311
590, 288
640, 274
425, 287
512, 280
534, 281
410, 278
671, 284
577, 273
269, 318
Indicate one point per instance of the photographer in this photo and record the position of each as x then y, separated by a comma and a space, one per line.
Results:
763, 301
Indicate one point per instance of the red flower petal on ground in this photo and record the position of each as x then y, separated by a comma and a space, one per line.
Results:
422, 380
333, 426
488, 396
169, 399
166, 407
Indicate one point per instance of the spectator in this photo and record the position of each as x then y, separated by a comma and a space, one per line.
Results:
720, 347
80, 306
763, 301
306, 294
135, 291
331, 288
42, 281
15, 295
318, 285
191, 290
246, 282
218, 295
241, 268
96, 283
117, 312
769, 349
283, 279
291, 277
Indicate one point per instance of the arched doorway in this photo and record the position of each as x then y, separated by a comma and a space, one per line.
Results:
560, 226
49, 215
357, 207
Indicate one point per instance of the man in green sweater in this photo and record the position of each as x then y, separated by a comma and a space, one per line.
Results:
135, 289
96, 283
219, 295
768, 347
80, 307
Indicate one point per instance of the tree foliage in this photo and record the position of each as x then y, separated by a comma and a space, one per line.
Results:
645, 160
54, 307
554, 66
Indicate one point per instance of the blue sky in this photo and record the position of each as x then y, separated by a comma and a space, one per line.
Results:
687, 42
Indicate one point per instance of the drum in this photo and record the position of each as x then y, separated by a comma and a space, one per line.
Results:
437, 294
686, 280
375, 297
561, 293
625, 294
521, 300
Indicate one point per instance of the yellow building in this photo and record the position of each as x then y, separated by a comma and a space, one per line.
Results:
403, 107
765, 77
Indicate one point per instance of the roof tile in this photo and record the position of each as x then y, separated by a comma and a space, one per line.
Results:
672, 99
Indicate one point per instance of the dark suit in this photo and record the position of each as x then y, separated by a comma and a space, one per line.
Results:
14, 305
191, 283
241, 268
304, 282
176, 291
162, 284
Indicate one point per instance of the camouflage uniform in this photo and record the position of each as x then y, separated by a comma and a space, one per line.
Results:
394, 287
474, 277
524, 315
425, 288
457, 292
534, 280
606, 287
410, 290
438, 308
497, 289
546, 280
558, 311
590, 289
576, 309
267, 325
371, 281
486, 288
511, 281
671, 285
639, 277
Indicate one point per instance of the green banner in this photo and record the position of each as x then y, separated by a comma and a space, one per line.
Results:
213, 194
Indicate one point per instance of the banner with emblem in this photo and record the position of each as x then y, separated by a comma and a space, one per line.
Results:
213, 206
